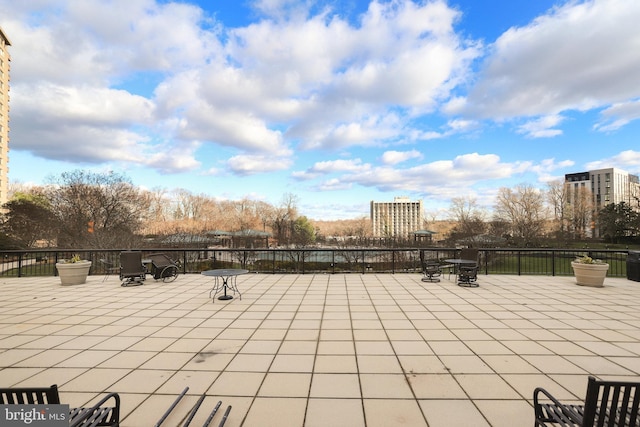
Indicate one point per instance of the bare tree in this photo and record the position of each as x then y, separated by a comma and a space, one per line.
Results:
188, 205
557, 196
470, 219
284, 216
580, 211
96, 210
523, 208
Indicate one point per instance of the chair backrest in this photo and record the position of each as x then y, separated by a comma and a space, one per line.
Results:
612, 397
31, 395
431, 267
131, 263
469, 253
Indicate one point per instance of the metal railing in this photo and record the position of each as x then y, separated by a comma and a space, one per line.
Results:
549, 262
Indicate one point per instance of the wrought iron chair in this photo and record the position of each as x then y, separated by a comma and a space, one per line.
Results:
109, 268
132, 271
468, 272
470, 254
607, 403
431, 270
468, 276
97, 415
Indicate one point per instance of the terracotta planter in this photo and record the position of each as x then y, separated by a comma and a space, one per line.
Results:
590, 274
73, 273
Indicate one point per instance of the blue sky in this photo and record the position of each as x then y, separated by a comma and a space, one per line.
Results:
336, 102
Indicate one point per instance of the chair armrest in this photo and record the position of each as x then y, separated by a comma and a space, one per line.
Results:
566, 410
84, 415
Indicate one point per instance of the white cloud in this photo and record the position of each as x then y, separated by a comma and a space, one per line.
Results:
618, 115
577, 57
542, 127
627, 160
395, 157
160, 84
331, 166
257, 89
334, 184
462, 172
247, 164
545, 168
460, 125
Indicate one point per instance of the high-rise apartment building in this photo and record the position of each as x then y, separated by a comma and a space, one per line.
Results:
5, 67
396, 219
606, 186
589, 192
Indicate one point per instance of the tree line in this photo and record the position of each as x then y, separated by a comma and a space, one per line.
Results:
83, 209
524, 215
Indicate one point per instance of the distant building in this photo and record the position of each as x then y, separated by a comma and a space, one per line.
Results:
5, 67
606, 186
400, 218
602, 187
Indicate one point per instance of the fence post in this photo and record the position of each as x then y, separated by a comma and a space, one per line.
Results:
333, 262
273, 262
393, 262
20, 265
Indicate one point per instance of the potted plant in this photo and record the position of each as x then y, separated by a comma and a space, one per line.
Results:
589, 271
73, 271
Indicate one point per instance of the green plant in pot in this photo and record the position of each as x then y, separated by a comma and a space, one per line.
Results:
589, 271
73, 271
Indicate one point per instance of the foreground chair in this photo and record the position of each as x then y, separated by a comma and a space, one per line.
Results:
607, 403
97, 415
132, 271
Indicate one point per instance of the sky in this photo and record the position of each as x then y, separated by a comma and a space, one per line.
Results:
335, 102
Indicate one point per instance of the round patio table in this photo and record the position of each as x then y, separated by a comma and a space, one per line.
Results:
225, 278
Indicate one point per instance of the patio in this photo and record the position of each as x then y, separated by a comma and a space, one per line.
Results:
321, 350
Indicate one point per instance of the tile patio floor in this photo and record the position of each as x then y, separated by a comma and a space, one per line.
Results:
321, 350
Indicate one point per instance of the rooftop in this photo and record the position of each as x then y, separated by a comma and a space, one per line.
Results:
321, 350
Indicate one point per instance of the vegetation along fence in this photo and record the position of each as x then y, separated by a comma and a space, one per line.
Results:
549, 262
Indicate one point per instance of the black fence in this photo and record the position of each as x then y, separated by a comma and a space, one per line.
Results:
548, 262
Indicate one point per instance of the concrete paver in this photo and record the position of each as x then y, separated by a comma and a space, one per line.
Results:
319, 350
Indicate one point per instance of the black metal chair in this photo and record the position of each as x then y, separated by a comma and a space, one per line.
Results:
132, 271
470, 254
607, 403
109, 268
97, 415
468, 276
431, 271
